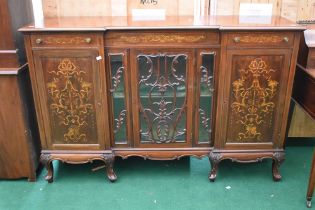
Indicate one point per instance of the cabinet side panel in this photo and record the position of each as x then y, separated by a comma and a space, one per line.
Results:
35, 90
14, 158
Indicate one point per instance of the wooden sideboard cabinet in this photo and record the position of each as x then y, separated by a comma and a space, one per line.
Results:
162, 90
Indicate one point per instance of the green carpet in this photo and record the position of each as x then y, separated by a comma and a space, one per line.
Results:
183, 184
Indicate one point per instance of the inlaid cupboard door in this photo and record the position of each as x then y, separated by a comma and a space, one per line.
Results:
254, 96
70, 89
162, 90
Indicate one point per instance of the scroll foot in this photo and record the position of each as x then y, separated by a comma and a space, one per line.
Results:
278, 159
213, 173
215, 159
309, 204
47, 162
109, 160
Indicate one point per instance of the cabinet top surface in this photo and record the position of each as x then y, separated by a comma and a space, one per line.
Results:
168, 22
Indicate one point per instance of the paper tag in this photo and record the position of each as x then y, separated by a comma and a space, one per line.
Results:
255, 9
99, 58
255, 13
148, 14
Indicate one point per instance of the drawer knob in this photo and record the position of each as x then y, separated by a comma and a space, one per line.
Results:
237, 39
286, 39
88, 40
39, 41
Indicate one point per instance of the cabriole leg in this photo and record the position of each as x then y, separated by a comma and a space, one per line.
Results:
47, 162
215, 159
276, 162
109, 160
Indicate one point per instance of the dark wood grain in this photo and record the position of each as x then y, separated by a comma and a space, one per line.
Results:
6, 36
9, 59
19, 142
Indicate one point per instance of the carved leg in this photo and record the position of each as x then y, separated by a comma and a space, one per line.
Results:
311, 183
47, 162
109, 160
275, 171
309, 203
277, 160
215, 159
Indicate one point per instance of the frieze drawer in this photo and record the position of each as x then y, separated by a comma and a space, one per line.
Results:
258, 39
162, 38
66, 40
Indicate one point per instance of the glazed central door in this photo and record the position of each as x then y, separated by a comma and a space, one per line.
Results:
162, 97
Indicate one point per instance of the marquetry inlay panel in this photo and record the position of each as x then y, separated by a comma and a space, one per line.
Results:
158, 38
70, 102
254, 91
72, 40
161, 38
261, 39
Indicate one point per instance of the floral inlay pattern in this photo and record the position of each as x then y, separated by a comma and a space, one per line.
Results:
70, 96
161, 38
252, 102
261, 39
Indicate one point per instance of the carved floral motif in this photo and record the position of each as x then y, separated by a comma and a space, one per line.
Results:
205, 121
117, 85
161, 113
207, 81
120, 120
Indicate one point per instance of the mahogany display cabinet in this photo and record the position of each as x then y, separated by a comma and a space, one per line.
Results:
162, 90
